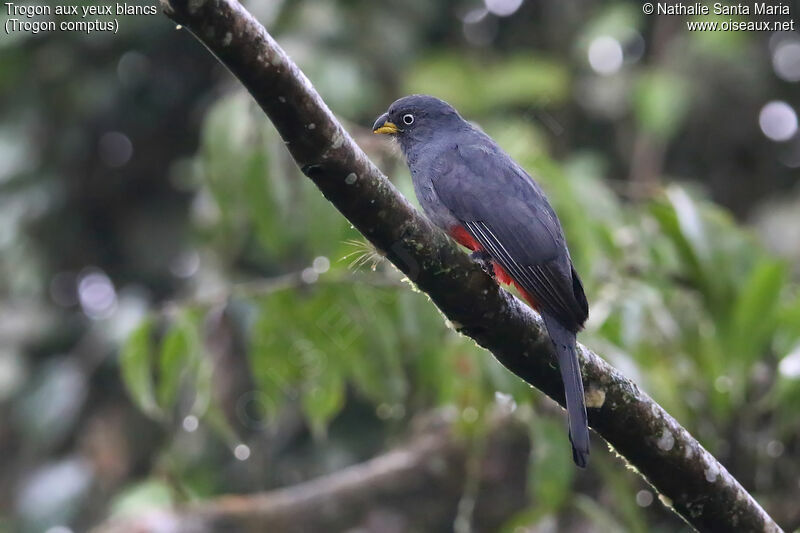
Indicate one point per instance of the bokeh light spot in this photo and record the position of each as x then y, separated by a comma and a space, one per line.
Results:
115, 149
309, 275
242, 452
775, 448
786, 60
186, 264
132, 68
723, 384
778, 121
470, 415
644, 498
321, 264
59, 529
97, 295
789, 366
605, 55
502, 8
190, 424
480, 28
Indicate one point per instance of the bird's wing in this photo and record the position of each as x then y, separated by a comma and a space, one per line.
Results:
506, 212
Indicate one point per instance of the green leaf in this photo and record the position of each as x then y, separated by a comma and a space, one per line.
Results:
689, 222
621, 489
471, 86
172, 364
756, 309
525, 80
615, 20
448, 76
274, 339
726, 45
602, 519
203, 375
323, 398
135, 499
137, 370
551, 469
523, 520
681, 221
789, 324
263, 211
661, 102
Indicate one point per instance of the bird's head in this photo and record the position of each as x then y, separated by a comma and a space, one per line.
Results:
418, 116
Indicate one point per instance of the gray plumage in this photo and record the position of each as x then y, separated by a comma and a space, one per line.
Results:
463, 179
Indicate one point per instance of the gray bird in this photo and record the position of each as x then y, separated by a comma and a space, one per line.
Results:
469, 187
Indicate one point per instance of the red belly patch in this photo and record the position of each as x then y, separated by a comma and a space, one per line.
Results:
462, 237
505, 278
501, 274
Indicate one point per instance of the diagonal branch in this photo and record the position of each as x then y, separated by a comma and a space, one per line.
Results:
690, 480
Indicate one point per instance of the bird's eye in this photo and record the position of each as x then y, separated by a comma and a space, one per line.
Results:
408, 119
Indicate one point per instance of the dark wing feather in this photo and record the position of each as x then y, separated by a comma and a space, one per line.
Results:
506, 212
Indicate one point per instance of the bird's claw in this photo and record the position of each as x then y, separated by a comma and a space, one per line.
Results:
484, 260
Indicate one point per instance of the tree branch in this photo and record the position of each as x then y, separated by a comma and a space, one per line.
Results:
417, 485
690, 480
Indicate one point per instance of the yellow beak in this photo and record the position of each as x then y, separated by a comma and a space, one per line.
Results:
388, 127
383, 125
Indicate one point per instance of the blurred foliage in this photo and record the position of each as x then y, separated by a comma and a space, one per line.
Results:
682, 299
261, 342
472, 87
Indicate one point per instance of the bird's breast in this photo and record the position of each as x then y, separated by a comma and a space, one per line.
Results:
433, 207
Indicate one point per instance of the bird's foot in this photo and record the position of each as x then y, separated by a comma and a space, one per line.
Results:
484, 260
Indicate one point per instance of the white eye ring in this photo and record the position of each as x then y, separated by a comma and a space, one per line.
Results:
408, 119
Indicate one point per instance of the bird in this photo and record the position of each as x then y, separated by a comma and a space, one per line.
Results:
485, 201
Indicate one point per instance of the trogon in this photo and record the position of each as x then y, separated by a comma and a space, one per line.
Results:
473, 190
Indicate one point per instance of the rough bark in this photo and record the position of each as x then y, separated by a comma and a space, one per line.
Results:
415, 487
688, 478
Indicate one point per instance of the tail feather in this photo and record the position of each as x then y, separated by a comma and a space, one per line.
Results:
564, 343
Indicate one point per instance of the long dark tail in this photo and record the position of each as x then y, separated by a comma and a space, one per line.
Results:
564, 342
